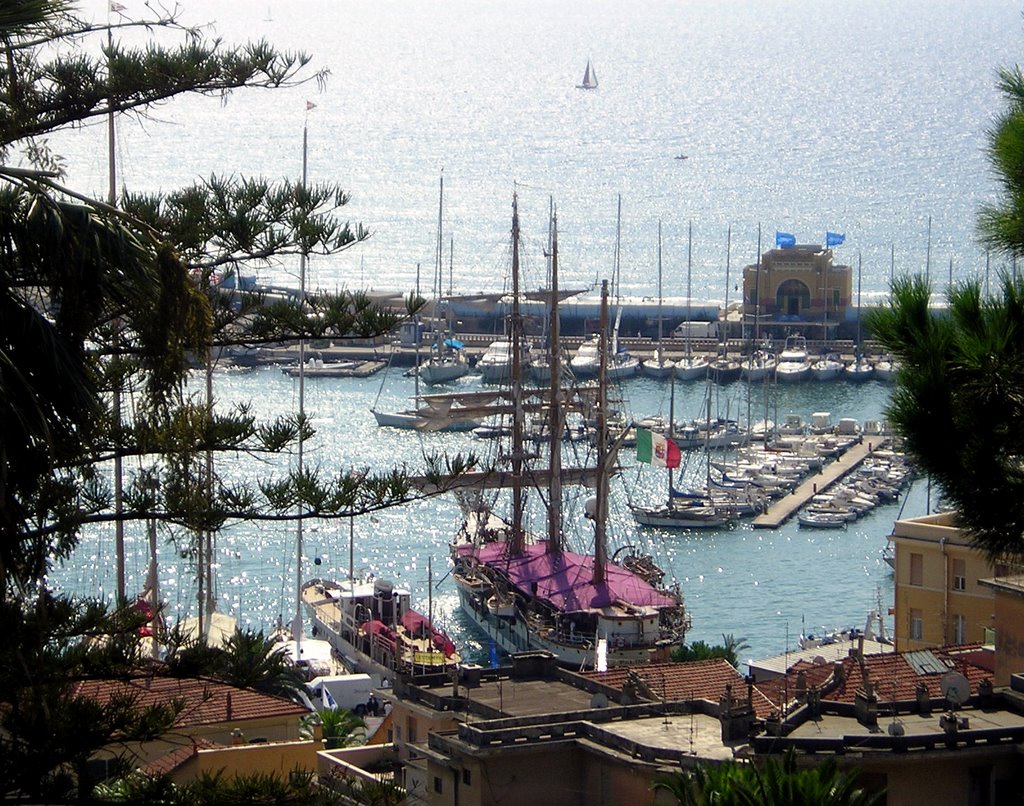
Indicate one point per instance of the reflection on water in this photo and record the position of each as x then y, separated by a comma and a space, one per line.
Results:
763, 585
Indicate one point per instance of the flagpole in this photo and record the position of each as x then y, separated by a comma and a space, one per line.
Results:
297, 621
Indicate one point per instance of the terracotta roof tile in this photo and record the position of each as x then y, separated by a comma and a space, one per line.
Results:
893, 675
207, 701
169, 762
681, 682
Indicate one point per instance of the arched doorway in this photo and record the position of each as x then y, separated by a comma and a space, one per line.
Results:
792, 297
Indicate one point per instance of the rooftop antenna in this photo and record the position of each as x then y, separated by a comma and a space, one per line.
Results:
785, 678
664, 704
895, 727
693, 727
955, 688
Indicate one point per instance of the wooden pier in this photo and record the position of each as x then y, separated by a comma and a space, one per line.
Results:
783, 509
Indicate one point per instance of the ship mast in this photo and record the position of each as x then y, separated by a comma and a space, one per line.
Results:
555, 422
601, 513
518, 422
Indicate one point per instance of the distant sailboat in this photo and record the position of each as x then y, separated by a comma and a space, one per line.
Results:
589, 79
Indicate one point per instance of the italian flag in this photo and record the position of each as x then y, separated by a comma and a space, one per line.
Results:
654, 449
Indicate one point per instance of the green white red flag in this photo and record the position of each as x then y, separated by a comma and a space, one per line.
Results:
656, 449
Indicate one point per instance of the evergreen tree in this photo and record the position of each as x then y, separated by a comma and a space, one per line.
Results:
959, 396
773, 783
102, 296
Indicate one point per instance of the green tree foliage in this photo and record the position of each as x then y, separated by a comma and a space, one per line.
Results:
959, 395
216, 789
339, 727
959, 401
775, 783
730, 649
97, 298
249, 659
49, 730
103, 297
1001, 225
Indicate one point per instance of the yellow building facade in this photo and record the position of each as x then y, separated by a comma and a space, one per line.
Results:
799, 286
1009, 625
939, 598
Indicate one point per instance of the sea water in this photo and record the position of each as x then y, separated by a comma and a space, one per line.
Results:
799, 116
802, 116
763, 585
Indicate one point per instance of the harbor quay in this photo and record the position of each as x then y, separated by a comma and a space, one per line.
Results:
404, 354
792, 290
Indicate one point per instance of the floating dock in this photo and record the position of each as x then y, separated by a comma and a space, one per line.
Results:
784, 508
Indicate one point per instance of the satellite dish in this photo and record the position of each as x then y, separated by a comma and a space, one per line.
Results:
955, 688
599, 700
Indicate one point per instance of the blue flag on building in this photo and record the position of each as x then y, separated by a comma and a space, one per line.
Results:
494, 655
784, 240
834, 238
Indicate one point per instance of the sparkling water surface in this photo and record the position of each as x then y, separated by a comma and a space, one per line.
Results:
764, 585
803, 116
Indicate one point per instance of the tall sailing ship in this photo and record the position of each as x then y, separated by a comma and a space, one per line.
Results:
530, 592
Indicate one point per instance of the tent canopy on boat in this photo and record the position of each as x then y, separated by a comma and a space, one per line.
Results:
564, 579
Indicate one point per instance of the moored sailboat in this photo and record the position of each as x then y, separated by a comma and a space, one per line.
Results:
860, 369
690, 367
658, 365
678, 511
581, 608
447, 361
827, 367
437, 414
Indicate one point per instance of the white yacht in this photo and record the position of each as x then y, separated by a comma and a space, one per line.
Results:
793, 365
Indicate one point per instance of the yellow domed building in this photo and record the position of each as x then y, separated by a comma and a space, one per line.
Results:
797, 288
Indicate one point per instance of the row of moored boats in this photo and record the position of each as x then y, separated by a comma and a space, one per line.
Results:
792, 363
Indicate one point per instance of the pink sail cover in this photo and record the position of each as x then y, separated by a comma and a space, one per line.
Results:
565, 579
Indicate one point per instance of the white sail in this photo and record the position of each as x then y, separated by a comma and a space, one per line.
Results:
589, 78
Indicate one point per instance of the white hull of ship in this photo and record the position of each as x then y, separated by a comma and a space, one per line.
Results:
792, 371
355, 661
436, 372
514, 635
691, 369
658, 369
371, 655
494, 372
679, 517
412, 420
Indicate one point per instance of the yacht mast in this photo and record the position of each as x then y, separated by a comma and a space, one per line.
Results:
689, 286
725, 316
661, 354
439, 346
